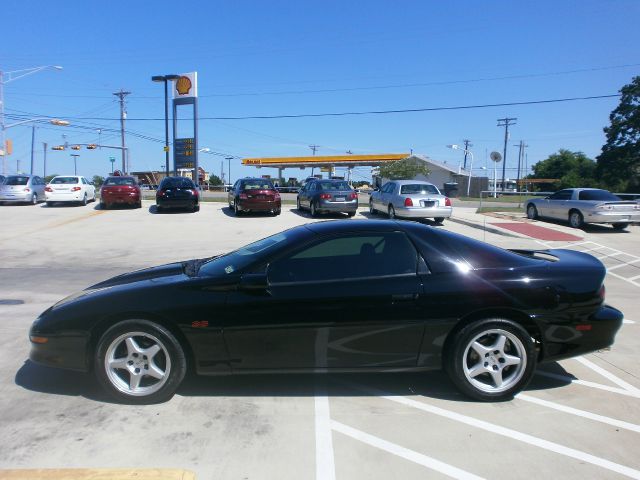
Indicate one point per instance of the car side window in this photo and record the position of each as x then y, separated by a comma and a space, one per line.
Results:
348, 257
84, 181
561, 195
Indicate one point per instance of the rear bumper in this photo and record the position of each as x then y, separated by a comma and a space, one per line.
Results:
422, 212
565, 340
259, 205
18, 197
177, 203
618, 217
120, 198
325, 206
64, 197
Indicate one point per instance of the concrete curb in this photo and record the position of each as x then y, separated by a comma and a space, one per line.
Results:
484, 228
97, 474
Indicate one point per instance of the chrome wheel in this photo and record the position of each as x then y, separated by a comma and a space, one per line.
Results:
532, 212
575, 219
137, 364
314, 212
494, 361
34, 199
392, 212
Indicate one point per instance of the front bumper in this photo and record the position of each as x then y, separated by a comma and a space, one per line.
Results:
61, 351
423, 212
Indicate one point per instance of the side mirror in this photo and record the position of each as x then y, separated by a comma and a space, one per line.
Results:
253, 283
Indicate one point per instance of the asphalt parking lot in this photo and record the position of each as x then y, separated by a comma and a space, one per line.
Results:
579, 418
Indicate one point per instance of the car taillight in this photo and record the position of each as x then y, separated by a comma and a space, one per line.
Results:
276, 195
48, 189
243, 196
194, 192
160, 193
447, 202
75, 189
325, 196
353, 196
27, 190
408, 202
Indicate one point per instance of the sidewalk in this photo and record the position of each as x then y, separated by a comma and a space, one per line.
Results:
514, 224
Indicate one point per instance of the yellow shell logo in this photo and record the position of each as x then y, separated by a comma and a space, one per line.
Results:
183, 85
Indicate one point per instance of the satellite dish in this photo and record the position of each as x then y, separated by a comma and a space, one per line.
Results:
496, 157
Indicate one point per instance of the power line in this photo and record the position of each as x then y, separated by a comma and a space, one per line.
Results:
371, 112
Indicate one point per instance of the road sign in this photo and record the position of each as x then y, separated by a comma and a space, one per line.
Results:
166, 149
112, 159
184, 152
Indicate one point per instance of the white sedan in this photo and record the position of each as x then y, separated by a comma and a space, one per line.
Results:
75, 189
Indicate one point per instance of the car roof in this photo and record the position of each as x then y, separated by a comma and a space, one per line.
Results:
411, 182
252, 179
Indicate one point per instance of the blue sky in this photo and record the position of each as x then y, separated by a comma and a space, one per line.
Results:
278, 57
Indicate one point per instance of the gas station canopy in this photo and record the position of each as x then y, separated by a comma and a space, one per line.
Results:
325, 161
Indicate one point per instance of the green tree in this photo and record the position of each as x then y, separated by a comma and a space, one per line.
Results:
403, 169
97, 180
214, 180
619, 162
572, 169
48, 178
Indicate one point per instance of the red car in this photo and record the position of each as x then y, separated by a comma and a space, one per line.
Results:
254, 195
120, 191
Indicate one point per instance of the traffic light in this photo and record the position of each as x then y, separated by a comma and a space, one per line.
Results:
75, 147
92, 146
58, 147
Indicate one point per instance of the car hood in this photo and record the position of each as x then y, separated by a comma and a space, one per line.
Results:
170, 269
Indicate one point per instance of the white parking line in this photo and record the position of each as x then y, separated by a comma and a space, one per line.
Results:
584, 383
628, 321
325, 464
580, 413
403, 452
610, 376
509, 433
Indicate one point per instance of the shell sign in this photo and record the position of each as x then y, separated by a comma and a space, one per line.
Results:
186, 86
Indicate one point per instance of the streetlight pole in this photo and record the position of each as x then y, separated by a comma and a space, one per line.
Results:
10, 77
33, 144
165, 79
229, 169
44, 151
75, 166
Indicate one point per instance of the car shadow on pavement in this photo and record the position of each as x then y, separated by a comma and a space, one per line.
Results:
433, 384
153, 209
228, 211
321, 216
588, 227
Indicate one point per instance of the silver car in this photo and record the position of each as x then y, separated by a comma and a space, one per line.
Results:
22, 189
585, 205
410, 199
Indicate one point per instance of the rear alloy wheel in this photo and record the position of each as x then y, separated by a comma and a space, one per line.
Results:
620, 226
532, 212
391, 212
34, 199
314, 211
298, 205
576, 220
84, 200
491, 359
140, 362
236, 210
276, 212
372, 210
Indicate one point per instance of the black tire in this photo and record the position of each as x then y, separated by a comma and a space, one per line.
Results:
84, 200
103, 206
139, 204
195, 208
473, 349
34, 199
372, 210
313, 210
119, 382
576, 220
351, 214
439, 220
298, 207
391, 212
236, 210
619, 226
532, 212
277, 212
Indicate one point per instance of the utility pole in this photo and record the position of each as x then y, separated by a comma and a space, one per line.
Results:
123, 115
521, 146
467, 144
44, 168
506, 123
314, 148
33, 144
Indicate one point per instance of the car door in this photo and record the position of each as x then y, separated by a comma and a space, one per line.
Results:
558, 204
344, 302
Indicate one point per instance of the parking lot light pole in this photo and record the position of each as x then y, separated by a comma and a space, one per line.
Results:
166, 79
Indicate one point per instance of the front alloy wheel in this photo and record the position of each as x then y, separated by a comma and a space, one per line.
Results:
576, 220
491, 360
532, 212
391, 212
372, 210
140, 362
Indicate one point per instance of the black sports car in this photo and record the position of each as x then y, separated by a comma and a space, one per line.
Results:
333, 297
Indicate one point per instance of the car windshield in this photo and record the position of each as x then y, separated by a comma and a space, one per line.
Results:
238, 259
119, 181
177, 183
599, 195
257, 185
334, 186
64, 180
17, 180
418, 188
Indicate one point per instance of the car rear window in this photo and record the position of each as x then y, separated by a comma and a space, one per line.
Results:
416, 188
257, 185
64, 180
177, 183
599, 195
119, 181
17, 180
334, 186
